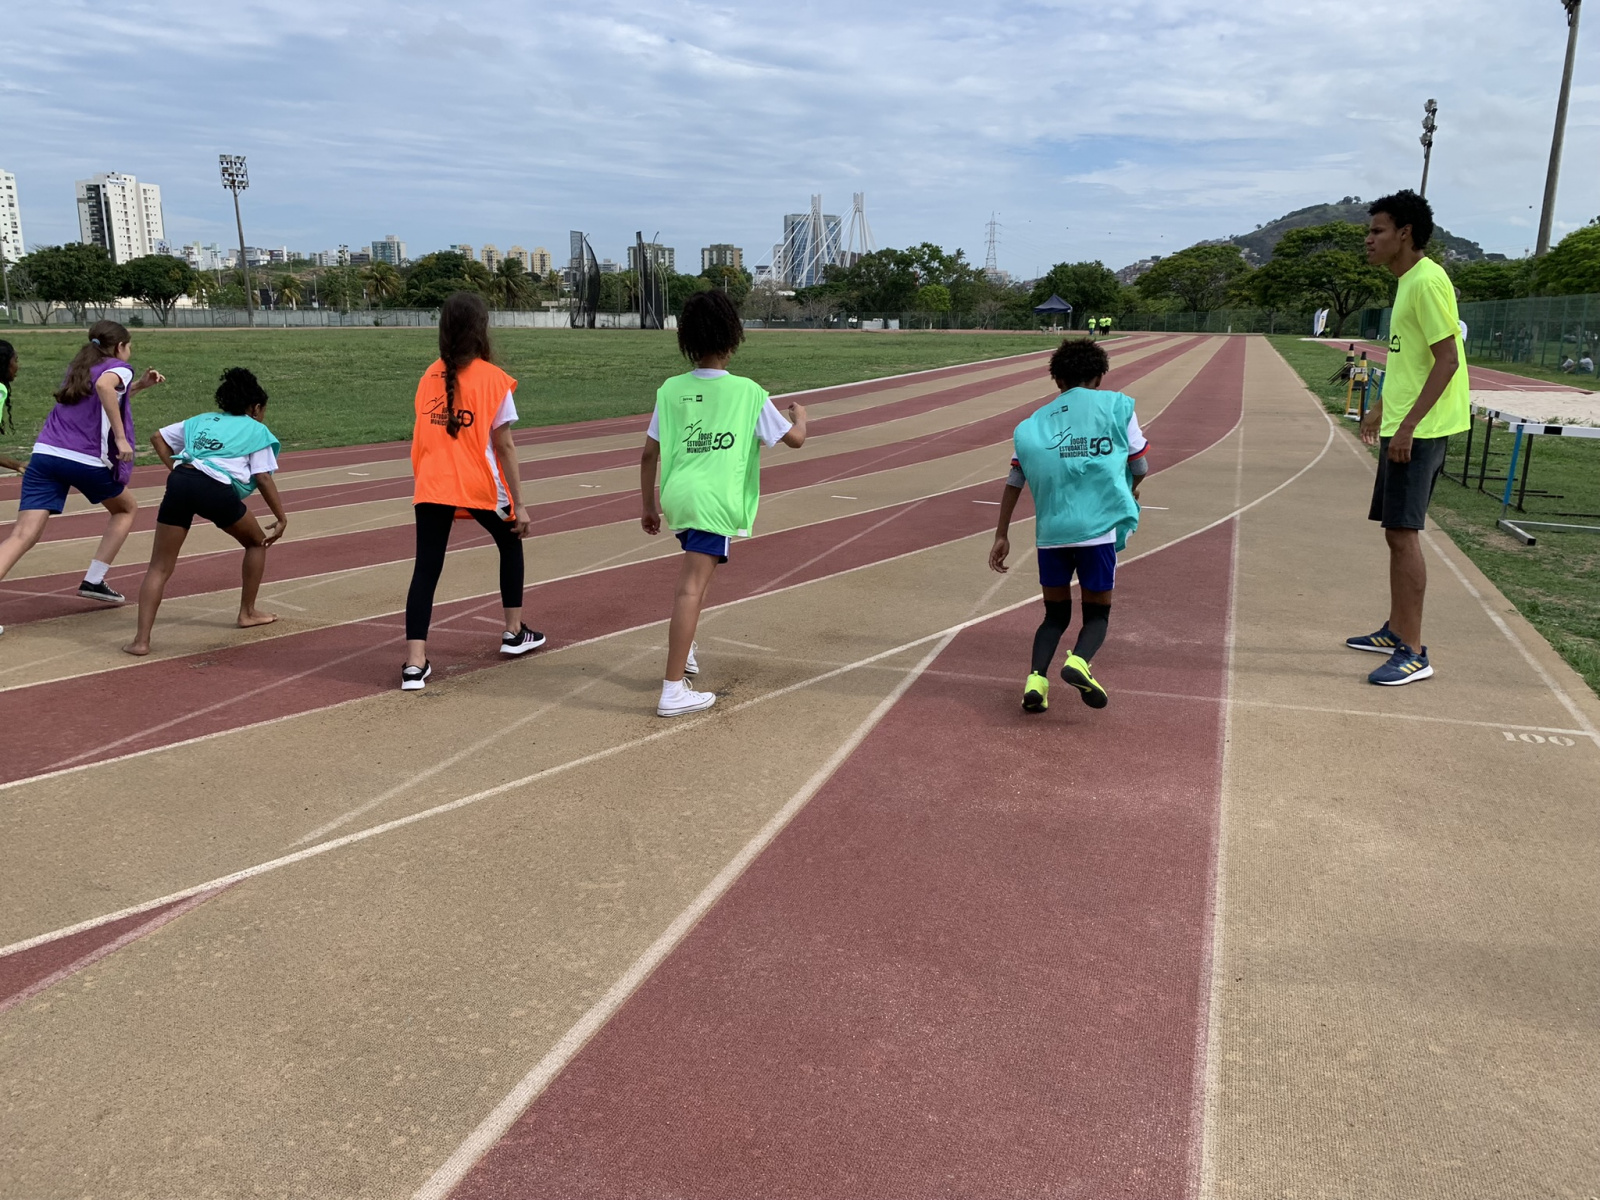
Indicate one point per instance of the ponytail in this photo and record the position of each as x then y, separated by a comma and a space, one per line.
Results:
104, 338
463, 337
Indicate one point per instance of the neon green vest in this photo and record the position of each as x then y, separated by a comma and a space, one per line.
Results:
710, 458
5, 396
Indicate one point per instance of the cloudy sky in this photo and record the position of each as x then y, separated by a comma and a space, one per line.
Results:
1111, 130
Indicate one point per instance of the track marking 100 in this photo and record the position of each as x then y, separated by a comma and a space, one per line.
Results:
1538, 739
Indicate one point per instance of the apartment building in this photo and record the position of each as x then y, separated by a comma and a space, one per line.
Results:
121, 215
391, 250
721, 255
11, 245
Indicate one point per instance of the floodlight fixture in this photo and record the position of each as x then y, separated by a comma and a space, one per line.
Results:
236, 178
1430, 113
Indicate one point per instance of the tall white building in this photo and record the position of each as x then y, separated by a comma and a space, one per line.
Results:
491, 257
121, 214
10, 218
391, 250
661, 256
539, 261
209, 257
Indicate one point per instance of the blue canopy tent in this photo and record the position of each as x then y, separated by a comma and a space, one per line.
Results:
1053, 305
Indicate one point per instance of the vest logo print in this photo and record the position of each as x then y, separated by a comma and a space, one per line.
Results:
439, 414
702, 441
207, 444
1080, 447
1394, 343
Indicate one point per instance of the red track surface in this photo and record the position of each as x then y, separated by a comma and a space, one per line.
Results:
44, 597
973, 966
296, 673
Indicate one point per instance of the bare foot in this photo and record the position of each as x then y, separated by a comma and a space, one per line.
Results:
252, 619
138, 649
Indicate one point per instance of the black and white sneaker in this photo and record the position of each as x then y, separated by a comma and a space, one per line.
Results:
414, 679
102, 592
521, 642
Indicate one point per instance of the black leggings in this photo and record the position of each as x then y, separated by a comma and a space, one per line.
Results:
434, 522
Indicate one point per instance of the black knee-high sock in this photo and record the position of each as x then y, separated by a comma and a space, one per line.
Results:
1093, 634
1057, 616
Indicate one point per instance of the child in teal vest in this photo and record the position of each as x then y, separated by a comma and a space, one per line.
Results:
706, 436
216, 460
1082, 456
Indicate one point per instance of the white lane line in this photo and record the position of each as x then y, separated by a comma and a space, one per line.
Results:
1153, 508
111, 947
996, 503
506, 1113
1560, 693
360, 474
841, 497
443, 764
743, 645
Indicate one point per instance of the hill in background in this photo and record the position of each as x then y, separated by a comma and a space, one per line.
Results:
1258, 246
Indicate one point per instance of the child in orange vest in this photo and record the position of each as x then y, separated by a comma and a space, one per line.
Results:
465, 464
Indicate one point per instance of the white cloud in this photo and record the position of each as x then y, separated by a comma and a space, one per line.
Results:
1095, 130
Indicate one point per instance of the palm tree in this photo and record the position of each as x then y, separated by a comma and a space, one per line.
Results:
511, 286
291, 289
383, 282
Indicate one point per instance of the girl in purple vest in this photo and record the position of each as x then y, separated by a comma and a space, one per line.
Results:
86, 444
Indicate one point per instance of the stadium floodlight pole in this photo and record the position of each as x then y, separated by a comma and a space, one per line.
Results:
1430, 113
1547, 216
236, 178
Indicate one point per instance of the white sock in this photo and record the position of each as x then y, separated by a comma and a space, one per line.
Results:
97, 572
671, 688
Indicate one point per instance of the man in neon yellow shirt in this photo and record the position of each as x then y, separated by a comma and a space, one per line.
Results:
1424, 401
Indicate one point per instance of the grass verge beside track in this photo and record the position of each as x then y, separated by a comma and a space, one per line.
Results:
342, 387
1555, 584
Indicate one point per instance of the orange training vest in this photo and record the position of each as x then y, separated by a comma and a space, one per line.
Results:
458, 470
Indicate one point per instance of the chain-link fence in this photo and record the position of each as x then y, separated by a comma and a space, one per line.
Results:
1543, 330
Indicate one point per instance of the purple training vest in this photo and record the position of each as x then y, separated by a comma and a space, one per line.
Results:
76, 427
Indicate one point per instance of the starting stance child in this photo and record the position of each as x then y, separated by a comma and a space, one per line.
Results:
8, 372
1082, 456
214, 461
465, 462
705, 435
86, 445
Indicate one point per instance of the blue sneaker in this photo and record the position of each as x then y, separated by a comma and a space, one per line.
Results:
1405, 665
1382, 642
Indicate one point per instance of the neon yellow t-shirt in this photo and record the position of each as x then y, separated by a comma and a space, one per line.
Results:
1424, 313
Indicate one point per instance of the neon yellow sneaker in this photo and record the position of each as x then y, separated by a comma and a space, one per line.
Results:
1036, 693
1076, 672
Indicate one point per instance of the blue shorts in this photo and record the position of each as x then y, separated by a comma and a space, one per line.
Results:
47, 479
1096, 567
701, 542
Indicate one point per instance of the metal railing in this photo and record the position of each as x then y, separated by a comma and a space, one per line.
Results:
1542, 330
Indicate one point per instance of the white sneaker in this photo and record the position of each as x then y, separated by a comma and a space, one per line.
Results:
692, 667
678, 699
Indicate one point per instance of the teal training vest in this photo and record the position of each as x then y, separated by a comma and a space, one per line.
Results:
710, 458
1074, 453
222, 435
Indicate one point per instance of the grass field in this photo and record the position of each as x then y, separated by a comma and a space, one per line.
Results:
340, 387
1555, 584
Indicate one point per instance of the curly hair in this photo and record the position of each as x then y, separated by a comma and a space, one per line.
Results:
239, 392
1076, 362
1407, 208
709, 326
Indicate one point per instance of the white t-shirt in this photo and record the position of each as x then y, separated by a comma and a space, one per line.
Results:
506, 416
125, 377
224, 470
771, 425
1137, 445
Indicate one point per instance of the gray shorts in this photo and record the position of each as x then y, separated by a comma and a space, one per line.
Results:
1402, 491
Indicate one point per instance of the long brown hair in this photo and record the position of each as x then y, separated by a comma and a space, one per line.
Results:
104, 338
463, 336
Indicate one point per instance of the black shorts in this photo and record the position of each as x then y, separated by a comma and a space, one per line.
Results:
1402, 491
192, 493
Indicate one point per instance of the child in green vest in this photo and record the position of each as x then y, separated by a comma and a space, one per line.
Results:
1082, 456
215, 460
706, 436
8, 372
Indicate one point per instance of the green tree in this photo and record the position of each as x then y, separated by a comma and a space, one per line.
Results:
383, 282
1199, 277
159, 280
1323, 264
433, 277
512, 286
681, 287
933, 298
884, 281
1493, 280
1090, 287
1571, 269
733, 280
74, 276
290, 288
